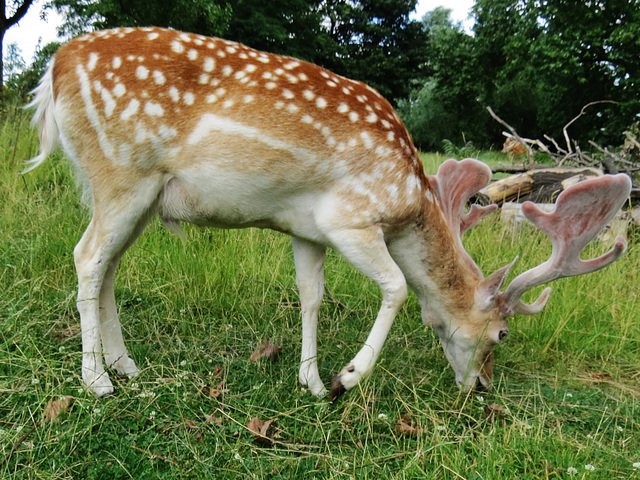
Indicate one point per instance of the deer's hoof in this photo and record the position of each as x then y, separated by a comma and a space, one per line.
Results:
337, 388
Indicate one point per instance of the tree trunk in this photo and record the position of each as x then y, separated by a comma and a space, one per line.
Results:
540, 186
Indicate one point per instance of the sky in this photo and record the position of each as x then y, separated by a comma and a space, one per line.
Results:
31, 28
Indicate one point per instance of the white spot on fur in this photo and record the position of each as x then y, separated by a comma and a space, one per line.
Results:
153, 35
321, 102
189, 98
192, 54
228, 103
159, 77
343, 108
293, 108
270, 85
211, 98
204, 79
279, 105
227, 70
130, 110
250, 68
306, 119
309, 95
174, 93
288, 94
263, 59
231, 50
302, 76
185, 37
117, 62
142, 72
119, 90
292, 65
332, 84
325, 74
371, 118
391, 136
93, 61
353, 116
209, 64
248, 98
177, 47
153, 109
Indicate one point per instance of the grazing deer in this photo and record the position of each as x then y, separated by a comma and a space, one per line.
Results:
212, 132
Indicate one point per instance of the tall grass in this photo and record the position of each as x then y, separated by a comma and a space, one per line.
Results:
193, 312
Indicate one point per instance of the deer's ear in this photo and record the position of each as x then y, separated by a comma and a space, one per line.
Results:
488, 289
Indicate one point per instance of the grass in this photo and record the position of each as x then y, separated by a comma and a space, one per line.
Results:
566, 379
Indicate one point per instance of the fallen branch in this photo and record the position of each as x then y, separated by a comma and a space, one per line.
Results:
514, 133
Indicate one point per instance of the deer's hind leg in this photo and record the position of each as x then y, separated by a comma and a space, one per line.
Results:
119, 216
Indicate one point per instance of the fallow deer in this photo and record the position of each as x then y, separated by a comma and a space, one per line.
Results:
215, 133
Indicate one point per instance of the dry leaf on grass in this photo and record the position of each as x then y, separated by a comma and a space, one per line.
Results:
55, 407
260, 430
213, 419
267, 350
215, 392
494, 413
407, 427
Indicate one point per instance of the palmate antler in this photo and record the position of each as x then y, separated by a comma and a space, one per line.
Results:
582, 211
454, 184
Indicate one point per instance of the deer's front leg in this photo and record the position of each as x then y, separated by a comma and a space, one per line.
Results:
367, 251
309, 260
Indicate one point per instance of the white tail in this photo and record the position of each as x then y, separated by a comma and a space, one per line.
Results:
215, 133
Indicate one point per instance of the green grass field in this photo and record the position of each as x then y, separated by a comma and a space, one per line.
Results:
566, 402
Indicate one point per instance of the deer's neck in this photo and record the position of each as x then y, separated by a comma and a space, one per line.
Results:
440, 273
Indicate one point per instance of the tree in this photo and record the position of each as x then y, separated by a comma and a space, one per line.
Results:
542, 61
293, 28
198, 16
445, 105
374, 41
16, 10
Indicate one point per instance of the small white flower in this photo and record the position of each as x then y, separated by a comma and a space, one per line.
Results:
346, 464
571, 471
61, 349
183, 363
480, 398
590, 436
619, 428
139, 299
551, 412
96, 410
590, 467
237, 457
569, 395
441, 427
34, 381
382, 416
528, 427
19, 428
636, 465
182, 311
152, 414
210, 361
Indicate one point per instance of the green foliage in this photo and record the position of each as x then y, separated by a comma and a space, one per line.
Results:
536, 64
197, 16
192, 314
21, 83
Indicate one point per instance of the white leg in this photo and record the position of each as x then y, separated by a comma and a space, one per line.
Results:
113, 348
309, 260
113, 227
367, 251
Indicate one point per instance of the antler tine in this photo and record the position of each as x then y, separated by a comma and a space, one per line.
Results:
581, 212
454, 184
